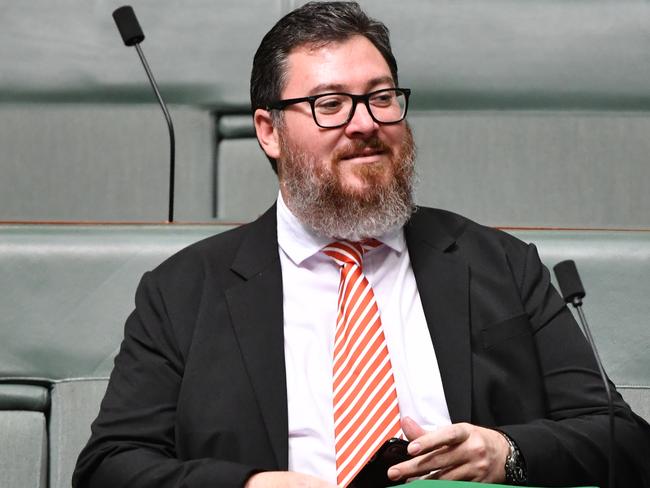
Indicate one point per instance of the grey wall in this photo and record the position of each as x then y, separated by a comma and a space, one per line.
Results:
565, 169
85, 162
102, 162
525, 113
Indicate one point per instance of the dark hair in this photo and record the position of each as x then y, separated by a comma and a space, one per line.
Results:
315, 23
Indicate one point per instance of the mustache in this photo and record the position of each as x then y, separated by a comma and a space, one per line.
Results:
358, 146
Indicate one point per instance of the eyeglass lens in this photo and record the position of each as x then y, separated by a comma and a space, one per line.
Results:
386, 106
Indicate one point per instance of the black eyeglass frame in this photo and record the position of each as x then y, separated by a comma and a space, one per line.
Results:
365, 98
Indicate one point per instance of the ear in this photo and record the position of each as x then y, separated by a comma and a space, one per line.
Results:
267, 135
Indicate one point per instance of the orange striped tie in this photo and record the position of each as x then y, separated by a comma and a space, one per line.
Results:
366, 412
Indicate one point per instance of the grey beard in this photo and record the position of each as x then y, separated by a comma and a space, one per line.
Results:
318, 200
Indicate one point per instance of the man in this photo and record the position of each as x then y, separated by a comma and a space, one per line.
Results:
283, 353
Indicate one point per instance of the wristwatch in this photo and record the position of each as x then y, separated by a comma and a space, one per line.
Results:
515, 466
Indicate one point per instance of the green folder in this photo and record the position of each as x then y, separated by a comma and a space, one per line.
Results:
460, 484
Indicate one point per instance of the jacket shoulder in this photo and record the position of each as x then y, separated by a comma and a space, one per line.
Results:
453, 228
220, 251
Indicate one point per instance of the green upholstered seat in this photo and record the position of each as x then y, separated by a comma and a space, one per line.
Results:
70, 288
23, 456
525, 113
466, 54
19, 396
614, 268
67, 291
522, 110
75, 404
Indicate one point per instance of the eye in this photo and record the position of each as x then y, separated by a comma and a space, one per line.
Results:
329, 104
383, 99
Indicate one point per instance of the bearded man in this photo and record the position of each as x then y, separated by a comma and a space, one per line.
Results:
285, 352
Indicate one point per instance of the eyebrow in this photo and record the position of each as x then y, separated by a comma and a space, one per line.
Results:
338, 87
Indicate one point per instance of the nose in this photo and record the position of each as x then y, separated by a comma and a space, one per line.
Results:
361, 124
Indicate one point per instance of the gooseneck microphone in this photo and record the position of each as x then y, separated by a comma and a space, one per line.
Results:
573, 292
132, 35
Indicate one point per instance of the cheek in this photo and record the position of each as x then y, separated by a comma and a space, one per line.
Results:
395, 135
318, 146
307, 137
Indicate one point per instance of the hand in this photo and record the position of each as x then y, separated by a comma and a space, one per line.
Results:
455, 452
285, 479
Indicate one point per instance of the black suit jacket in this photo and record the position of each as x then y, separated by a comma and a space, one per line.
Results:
198, 398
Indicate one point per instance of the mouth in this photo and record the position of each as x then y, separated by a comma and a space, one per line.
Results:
367, 155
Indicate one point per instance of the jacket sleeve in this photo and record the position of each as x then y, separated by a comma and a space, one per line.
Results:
571, 444
133, 438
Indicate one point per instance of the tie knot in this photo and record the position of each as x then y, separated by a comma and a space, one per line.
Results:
346, 252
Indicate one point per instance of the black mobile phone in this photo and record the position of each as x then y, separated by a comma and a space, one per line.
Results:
373, 474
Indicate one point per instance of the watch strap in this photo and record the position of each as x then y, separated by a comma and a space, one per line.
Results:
515, 465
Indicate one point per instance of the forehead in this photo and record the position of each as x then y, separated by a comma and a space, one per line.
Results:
353, 65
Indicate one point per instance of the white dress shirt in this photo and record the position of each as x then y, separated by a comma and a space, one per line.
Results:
310, 293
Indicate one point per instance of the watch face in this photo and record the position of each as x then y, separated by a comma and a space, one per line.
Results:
515, 466
519, 475
515, 474
515, 471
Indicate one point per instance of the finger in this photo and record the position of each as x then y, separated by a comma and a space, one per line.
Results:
471, 469
431, 475
442, 458
413, 468
449, 435
412, 430
455, 473
285, 479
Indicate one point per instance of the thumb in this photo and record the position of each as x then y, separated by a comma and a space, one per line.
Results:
411, 428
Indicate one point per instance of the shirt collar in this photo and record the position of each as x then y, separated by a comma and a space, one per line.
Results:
300, 243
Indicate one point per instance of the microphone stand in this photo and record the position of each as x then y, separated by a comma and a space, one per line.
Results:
573, 293
170, 127
132, 35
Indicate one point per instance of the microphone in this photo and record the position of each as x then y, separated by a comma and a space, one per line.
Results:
573, 292
132, 35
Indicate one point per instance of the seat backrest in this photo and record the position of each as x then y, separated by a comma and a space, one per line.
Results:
67, 291
614, 268
75, 404
70, 288
525, 113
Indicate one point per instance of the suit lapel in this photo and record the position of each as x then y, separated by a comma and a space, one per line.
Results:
255, 307
443, 283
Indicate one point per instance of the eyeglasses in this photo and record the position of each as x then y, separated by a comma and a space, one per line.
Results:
332, 110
